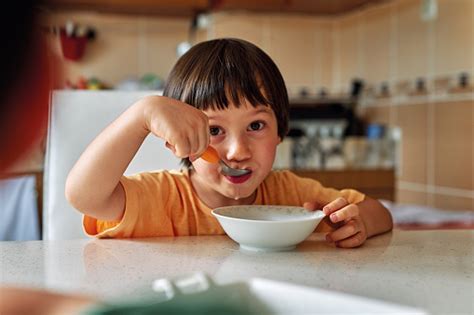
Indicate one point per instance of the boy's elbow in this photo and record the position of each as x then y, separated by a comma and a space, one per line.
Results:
72, 195
94, 205
77, 197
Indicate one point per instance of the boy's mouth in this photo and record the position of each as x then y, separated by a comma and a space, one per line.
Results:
238, 179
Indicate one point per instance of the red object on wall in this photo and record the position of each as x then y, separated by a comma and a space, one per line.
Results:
73, 47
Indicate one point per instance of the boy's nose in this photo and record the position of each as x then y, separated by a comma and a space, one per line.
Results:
238, 149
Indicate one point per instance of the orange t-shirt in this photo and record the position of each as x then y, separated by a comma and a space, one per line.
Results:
164, 203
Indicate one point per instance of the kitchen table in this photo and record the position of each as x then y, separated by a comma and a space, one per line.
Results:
432, 270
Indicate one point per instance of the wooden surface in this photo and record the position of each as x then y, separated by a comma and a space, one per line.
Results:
376, 183
191, 7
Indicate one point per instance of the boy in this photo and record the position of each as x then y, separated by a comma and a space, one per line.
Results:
229, 94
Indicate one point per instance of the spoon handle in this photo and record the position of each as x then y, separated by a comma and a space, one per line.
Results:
210, 155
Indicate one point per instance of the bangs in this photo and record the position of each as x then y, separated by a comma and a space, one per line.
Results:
228, 86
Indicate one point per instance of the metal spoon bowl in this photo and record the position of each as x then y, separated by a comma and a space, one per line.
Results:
211, 156
229, 171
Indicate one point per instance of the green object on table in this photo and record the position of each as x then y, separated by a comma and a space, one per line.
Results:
232, 299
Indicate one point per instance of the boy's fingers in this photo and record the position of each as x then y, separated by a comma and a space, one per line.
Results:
193, 145
182, 149
202, 142
333, 226
345, 213
170, 146
310, 205
353, 241
346, 231
203, 139
335, 205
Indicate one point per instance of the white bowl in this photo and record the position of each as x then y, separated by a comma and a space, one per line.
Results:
267, 228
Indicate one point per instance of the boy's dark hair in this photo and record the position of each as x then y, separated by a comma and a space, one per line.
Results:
214, 73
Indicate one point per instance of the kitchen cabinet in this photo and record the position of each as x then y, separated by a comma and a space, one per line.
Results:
376, 183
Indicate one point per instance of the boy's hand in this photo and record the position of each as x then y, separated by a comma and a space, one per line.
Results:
352, 231
184, 128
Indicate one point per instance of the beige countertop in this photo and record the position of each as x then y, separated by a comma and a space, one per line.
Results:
432, 270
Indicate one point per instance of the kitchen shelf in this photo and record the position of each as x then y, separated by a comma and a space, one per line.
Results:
320, 110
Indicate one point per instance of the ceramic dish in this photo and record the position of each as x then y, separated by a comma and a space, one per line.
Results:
267, 228
198, 293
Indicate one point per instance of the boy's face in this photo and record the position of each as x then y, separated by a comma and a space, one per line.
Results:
245, 137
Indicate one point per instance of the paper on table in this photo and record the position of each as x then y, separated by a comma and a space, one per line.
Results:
424, 215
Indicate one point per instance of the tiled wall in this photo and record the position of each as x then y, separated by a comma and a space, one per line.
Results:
437, 148
125, 46
301, 46
392, 43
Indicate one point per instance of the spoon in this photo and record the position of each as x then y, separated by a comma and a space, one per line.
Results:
211, 156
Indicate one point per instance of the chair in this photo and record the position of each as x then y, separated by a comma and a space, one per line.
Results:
76, 117
18, 209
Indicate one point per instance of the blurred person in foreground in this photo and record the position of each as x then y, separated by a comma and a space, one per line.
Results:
25, 86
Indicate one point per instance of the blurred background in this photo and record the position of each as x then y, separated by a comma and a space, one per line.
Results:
382, 92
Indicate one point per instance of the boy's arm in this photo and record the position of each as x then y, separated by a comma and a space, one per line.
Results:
376, 217
93, 185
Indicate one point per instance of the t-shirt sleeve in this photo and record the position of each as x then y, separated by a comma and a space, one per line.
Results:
144, 215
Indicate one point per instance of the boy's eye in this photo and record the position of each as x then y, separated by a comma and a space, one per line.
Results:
214, 131
256, 125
